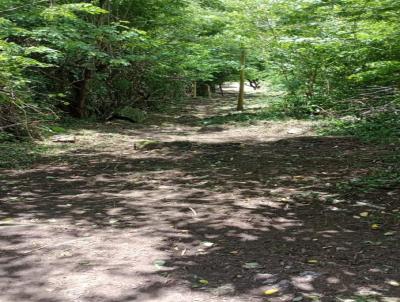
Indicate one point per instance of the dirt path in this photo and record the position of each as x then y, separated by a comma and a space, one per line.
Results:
179, 212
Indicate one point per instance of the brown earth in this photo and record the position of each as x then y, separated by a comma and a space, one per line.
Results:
172, 211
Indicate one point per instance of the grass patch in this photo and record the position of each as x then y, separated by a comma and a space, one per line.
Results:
21, 154
381, 129
233, 118
271, 109
384, 177
17, 154
377, 180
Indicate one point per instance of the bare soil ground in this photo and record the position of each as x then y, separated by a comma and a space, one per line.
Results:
174, 211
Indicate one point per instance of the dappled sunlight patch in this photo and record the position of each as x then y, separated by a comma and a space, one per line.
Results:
282, 223
204, 205
247, 237
333, 280
328, 232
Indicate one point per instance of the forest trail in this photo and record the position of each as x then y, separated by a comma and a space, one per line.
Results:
182, 210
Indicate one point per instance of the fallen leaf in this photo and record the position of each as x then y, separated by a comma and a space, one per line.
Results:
203, 281
251, 265
8, 219
312, 261
389, 233
271, 291
207, 243
375, 226
364, 214
159, 264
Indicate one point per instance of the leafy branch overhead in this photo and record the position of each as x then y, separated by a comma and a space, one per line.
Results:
92, 58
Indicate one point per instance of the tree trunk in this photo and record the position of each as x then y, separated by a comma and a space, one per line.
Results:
203, 89
311, 84
240, 103
105, 18
81, 94
213, 88
208, 88
328, 87
194, 89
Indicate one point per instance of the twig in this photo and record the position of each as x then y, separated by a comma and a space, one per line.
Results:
193, 211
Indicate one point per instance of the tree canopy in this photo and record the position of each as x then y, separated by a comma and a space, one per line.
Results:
91, 58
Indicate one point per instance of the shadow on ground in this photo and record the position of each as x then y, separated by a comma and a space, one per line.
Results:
196, 221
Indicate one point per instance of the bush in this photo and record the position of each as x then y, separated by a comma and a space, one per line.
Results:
379, 128
134, 114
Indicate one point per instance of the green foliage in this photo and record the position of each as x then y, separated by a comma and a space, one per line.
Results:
6, 137
381, 179
88, 58
55, 129
331, 53
134, 114
383, 128
20, 154
380, 128
70, 11
271, 109
384, 177
73, 57
279, 108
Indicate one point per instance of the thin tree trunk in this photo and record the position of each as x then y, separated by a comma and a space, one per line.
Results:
82, 91
194, 88
311, 84
221, 89
240, 104
208, 91
328, 87
105, 18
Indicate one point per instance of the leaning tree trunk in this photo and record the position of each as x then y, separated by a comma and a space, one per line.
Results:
240, 103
